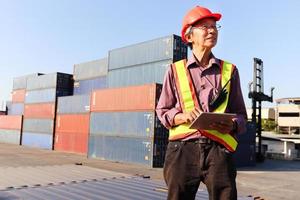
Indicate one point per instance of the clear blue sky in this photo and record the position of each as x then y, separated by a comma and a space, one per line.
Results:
52, 35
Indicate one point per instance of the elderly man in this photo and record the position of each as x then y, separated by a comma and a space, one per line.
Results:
203, 83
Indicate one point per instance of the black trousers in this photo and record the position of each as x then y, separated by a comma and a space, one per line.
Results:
191, 162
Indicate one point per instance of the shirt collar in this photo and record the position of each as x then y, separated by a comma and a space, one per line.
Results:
192, 61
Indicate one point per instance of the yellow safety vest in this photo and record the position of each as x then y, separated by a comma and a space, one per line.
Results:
188, 101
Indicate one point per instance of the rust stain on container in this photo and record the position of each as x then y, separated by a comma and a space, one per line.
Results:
41, 110
142, 97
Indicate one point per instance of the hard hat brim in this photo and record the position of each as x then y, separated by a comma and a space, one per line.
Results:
215, 16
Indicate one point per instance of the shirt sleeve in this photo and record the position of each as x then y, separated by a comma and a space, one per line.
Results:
168, 105
236, 103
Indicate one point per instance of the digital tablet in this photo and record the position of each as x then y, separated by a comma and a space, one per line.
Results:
204, 120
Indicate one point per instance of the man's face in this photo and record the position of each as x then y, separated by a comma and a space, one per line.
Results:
204, 34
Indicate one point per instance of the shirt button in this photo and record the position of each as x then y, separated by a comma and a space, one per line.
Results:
203, 87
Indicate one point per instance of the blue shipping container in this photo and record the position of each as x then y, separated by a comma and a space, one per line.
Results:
129, 124
86, 86
245, 155
130, 131
134, 150
16, 109
41, 96
144, 151
37, 140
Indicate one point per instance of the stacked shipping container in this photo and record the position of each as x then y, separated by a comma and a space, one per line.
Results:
245, 153
10, 129
89, 76
18, 94
124, 126
145, 62
72, 124
40, 107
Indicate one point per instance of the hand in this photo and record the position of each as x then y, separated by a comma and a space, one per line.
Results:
223, 126
187, 117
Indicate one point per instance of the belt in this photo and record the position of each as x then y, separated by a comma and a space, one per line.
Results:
196, 141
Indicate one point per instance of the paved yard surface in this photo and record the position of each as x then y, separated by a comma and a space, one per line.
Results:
23, 167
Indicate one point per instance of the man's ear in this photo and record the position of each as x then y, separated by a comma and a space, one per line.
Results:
188, 37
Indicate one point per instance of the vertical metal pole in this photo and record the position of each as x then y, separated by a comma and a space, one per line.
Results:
262, 77
259, 130
254, 76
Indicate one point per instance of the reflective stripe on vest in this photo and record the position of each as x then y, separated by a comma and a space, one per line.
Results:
188, 102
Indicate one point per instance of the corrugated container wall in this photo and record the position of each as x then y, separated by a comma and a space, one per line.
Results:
38, 126
40, 110
53, 80
21, 82
142, 97
40, 107
72, 124
10, 122
73, 104
10, 136
165, 48
10, 129
86, 86
126, 117
41, 96
125, 124
71, 133
91, 70
245, 153
38, 140
18, 96
16, 109
139, 74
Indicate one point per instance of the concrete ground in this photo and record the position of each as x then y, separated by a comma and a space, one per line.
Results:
272, 179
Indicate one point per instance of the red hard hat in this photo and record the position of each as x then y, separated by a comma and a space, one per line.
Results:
194, 15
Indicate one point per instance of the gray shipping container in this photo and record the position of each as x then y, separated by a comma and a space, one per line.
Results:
90, 70
10, 136
73, 104
49, 81
40, 96
165, 48
38, 125
138, 75
20, 82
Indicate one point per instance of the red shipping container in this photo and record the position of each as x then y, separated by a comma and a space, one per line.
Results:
71, 142
68, 123
13, 122
18, 96
143, 97
41, 110
71, 133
